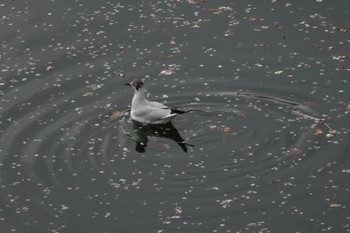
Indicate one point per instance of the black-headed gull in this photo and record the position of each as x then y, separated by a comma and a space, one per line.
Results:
149, 112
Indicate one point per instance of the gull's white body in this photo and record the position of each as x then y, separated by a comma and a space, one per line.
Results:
148, 112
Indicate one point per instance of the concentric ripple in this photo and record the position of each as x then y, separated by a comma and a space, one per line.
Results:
242, 134
76, 154
265, 84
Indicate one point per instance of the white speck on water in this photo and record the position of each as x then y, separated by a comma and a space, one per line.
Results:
63, 207
226, 203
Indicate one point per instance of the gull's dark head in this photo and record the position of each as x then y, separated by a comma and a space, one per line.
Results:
137, 84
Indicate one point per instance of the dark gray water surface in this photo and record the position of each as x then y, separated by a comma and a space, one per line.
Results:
269, 81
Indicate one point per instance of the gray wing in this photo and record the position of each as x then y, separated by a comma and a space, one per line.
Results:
150, 114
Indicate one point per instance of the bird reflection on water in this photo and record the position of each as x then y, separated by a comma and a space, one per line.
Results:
143, 131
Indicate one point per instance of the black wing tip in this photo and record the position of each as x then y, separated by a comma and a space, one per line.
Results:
177, 111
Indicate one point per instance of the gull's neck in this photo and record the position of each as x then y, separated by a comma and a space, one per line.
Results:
139, 96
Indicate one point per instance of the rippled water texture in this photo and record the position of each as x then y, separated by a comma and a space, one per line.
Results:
267, 137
